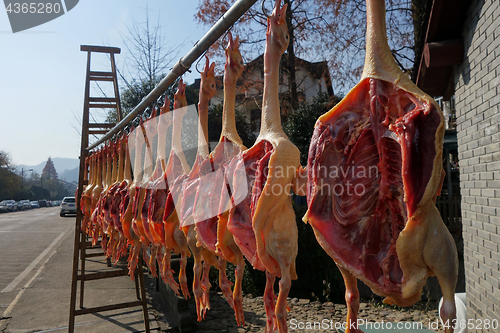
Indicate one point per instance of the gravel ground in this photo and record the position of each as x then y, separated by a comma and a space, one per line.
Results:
304, 314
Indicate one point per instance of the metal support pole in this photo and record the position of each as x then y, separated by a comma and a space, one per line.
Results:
224, 23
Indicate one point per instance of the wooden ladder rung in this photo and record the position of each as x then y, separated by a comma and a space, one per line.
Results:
102, 125
102, 105
96, 132
103, 99
107, 307
101, 76
97, 254
100, 73
102, 275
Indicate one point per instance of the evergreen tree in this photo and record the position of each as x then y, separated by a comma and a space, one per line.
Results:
299, 125
49, 171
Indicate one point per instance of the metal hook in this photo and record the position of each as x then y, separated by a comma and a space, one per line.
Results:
264, 9
199, 59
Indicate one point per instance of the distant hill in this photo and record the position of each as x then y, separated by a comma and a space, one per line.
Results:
67, 168
69, 175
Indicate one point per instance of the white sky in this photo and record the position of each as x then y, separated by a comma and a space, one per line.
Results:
42, 70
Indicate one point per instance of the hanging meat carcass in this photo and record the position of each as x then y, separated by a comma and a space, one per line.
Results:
203, 259
140, 209
232, 144
263, 223
120, 184
100, 216
143, 202
157, 189
374, 171
86, 198
210, 210
165, 220
116, 244
94, 224
144, 173
134, 144
120, 196
157, 193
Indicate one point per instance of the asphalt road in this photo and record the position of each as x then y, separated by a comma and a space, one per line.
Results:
36, 257
27, 240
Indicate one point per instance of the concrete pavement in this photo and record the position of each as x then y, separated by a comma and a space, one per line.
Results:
43, 303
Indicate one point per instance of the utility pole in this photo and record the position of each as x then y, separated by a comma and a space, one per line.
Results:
22, 175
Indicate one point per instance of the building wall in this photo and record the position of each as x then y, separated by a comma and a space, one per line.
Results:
477, 94
306, 85
310, 86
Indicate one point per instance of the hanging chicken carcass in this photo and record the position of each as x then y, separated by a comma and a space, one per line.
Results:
116, 243
203, 259
157, 193
86, 198
177, 166
211, 212
374, 171
94, 222
127, 210
263, 221
121, 184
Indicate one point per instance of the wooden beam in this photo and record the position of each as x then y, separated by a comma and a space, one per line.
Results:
445, 53
95, 48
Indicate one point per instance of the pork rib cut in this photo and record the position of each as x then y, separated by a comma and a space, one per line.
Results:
374, 170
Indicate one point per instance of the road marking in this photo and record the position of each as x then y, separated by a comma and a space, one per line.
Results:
6, 314
35, 262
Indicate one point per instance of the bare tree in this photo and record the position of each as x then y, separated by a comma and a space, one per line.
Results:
148, 57
332, 30
148, 52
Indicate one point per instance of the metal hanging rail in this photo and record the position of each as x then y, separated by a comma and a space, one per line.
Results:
223, 24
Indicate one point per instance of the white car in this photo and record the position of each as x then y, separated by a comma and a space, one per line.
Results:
68, 206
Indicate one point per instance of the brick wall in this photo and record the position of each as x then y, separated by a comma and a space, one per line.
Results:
477, 94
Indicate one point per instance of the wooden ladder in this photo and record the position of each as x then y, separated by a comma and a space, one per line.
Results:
81, 244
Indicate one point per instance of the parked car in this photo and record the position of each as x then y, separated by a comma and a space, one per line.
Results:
34, 204
11, 205
68, 206
42, 203
26, 204
3, 207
